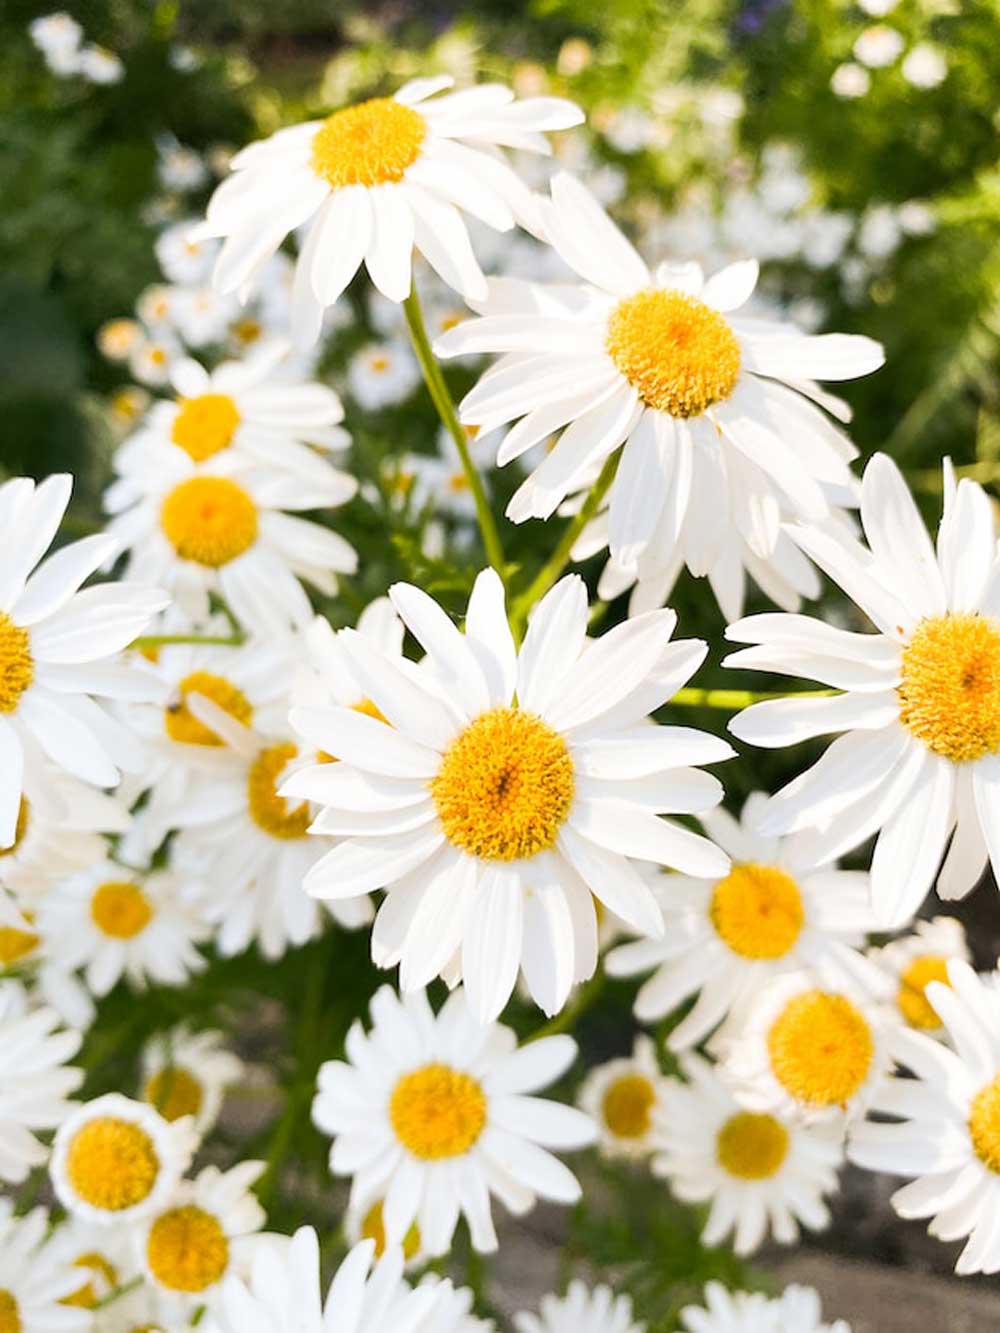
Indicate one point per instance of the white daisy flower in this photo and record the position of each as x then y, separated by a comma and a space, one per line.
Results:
703, 400
102, 1258
188, 1073
430, 1112
440, 479
36, 1282
115, 1161
55, 33
622, 1097
949, 1138
382, 374
182, 258
100, 65
118, 338
759, 1173
25, 956
34, 1080
365, 1220
376, 180
919, 759
58, 648
913, 961
879, 46
151, 358
581, 1310
178, 167
925, 66
796, 1310
775, 911
492, 823
114, 921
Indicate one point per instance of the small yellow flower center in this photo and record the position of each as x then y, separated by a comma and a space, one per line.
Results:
103, 1279
751, 1147
187, 1249
267, 809
984, 1125
437, 1112
678, 353
17, 666
949, 696
627, 1106
20, 828
373, 1228
119, 908
16, 944
372, 143
757, 911
112, 1164
174, 1092
821, 1048
10, 1315
247, 330
505, 786
209, 520
182, 725
205, 425
911, 997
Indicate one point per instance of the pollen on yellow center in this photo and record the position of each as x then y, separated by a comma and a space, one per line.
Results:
437, 1112
205, 425
112, 1164
984, 1125
174, 1092
182, 725
757, 911
949, 695
119, 908
911, 997
678, 353
209, 520
103, 1278
187, 1249
17, 666
372, 143
505, 786
821, 1048
751, 1146
373, 1228
10, 1315
268, 810
627, 1106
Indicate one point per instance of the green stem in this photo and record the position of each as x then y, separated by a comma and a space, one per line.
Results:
159, 640
438, 390
731, 700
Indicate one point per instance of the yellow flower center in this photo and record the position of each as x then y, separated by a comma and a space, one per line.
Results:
757, 911
112, 1164
209, 520
373, 1228
247, 330
17, 944
984, 1125
267, 809
678, 354
174, 1092
17, 666
205, 425
103, 1278
372, 143
437, 1112
505, 786
627, 1106
821, 1048
751, 1147
911, 997
949, 696
10, 1316
182, 725
187, 1249
120, 909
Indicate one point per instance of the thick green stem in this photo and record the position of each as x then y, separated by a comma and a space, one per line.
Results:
441, 398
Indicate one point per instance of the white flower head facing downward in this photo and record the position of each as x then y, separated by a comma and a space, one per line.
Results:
375, 181
919, 758
506, 790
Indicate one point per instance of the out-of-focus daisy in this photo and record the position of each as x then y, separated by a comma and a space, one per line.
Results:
775, 911
151, 358
704, 400
25, 957
382, 374
925, 66
879, 46
102, 1258
377, 180
100, 65
118, 338
440, 480
116, 1161
581, 1310
796, 1310
915, 960
431, 1113
919, 760
850, 80
182, 258
188, 1073
178, 166
949, 1138
36, 1282
759, 1173
622, 1098
491, 823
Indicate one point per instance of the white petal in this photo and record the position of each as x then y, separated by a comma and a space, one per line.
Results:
491, 947
390, 249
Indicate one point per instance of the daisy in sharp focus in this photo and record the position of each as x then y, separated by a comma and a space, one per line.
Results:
377, 180
919, 758
622, 1097
911, 962
490, 822
433, 1113
36, 1282
761, 1174
703, 400
582, 1310
188, 1073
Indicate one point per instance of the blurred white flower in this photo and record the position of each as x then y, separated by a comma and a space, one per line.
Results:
850, 80
879, 46
100, 65
925, 66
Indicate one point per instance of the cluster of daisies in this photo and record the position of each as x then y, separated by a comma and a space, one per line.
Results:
194, 763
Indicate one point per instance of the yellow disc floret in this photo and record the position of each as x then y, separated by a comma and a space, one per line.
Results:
182, 725
103, 1277
984, 1125
373, 1228
16, 945
757, 911
268, 810
911, 997
205, 425
821, 1048
17, 666
372, 143
112, 1164
437, 1112
174, 1092
949, 695
10, 1315
627, 1106
505, 786
678, 353
209, 520
119, 908
187, 1249
751, 1147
